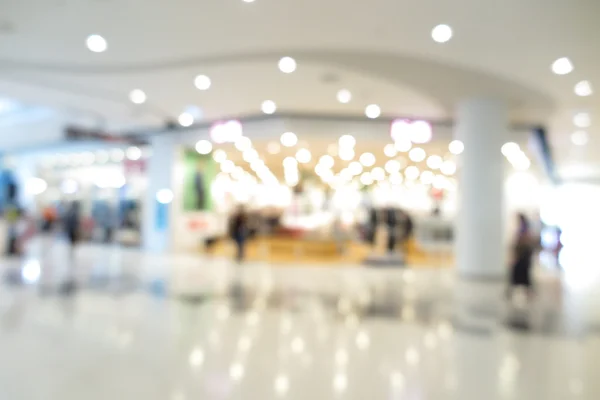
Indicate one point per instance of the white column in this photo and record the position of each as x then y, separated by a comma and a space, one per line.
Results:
480, 250
157, 221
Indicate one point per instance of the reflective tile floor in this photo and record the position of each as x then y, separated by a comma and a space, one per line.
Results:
142, 326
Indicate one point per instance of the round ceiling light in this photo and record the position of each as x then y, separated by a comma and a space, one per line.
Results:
355, 167
367, 159
372, 111
347, 142
396, 178
164, 196
582, 120
137, 96
219, 155
287, 65
185, 119
441, 33
204, 147
273, 148
448, 167
456, 147
346, 153
510, 148
417, 154
250, 155
427, 177
412, 172
403, 145
434, 162
133, 153
96, 43
392, 166
243, 143
390, 150
579, 138
303, 156
289, 139
562, 66
326, 161
268, 107
378, 174
366, 179
290, 163
584, 89
202, 82
344, 96
420, 132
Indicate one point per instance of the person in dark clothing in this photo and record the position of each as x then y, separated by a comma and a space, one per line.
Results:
239, 231
520, 274
391, 220
372, 226
72, 225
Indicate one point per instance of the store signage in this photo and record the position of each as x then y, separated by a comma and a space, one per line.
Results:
417, 131
226, 131
79, 133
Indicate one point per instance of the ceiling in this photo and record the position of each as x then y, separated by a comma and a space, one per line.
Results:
381, 50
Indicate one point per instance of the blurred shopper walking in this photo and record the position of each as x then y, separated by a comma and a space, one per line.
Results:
521, 262
239, 232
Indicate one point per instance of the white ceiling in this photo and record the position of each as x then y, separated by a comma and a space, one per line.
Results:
380, 49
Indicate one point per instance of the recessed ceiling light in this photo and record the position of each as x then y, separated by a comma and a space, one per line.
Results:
137, 96
96, 43
185, 119
412, 172
204, 147
583, 89
273, 148
417, 154
509, 149
367, 159
434, 162
287, 65
373, 111
289, 139
448, 167
303, 156
390, 150
582, 120
347, 141
344, 96
579, 138
441, 33
562, 66
202, 82
268, 107
133, 153
456, 147
248, 1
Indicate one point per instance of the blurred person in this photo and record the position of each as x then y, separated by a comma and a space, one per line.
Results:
49, 217
372, 224
72, 226
11, 215
391, 221
523, 249
239, 231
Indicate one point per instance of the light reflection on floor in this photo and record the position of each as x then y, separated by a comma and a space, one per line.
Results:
156, 327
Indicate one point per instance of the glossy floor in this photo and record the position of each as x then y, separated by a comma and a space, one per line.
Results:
141, 326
